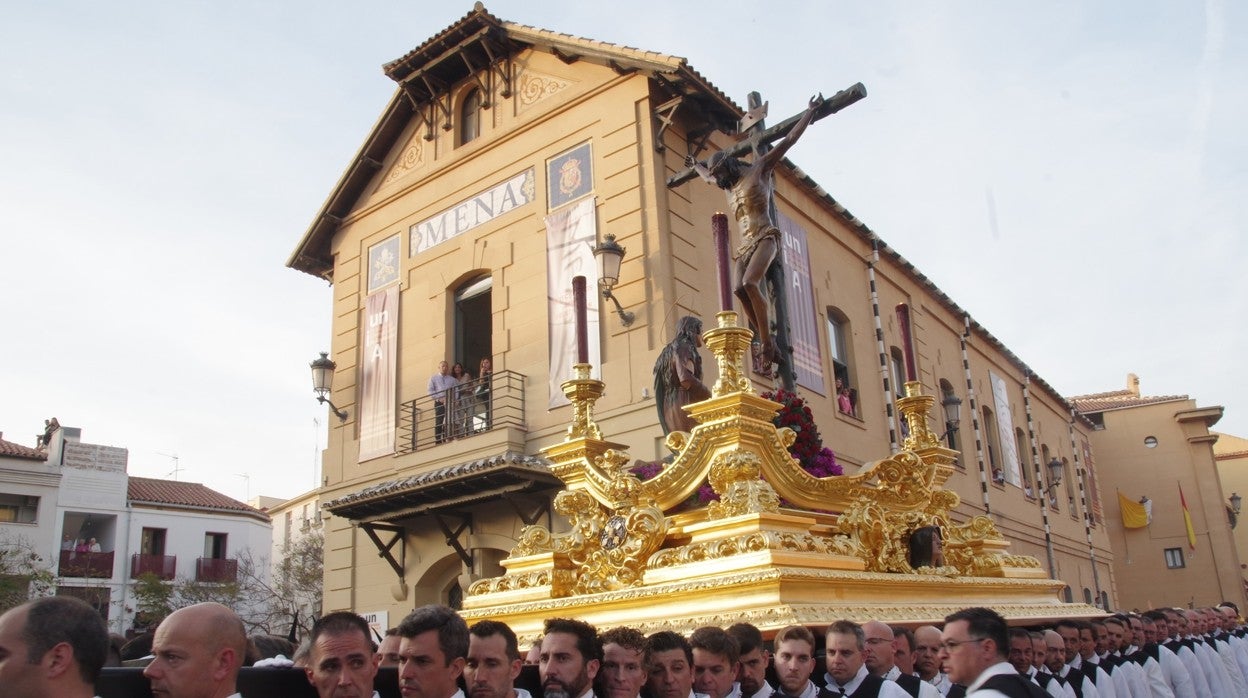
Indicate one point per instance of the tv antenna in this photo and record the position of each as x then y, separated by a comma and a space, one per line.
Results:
247, 486
176, 467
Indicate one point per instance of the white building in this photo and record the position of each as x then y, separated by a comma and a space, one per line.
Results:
28, 489
102, 529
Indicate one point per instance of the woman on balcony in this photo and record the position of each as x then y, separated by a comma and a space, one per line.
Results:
482, 408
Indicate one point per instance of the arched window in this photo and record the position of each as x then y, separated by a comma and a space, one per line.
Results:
842, 362
470, 116
990, 441
1024, 457
1069, 481
954, 436
898, 364
1087, 596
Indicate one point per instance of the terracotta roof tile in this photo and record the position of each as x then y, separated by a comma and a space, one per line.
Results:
8, 449
1118, 399
186, 494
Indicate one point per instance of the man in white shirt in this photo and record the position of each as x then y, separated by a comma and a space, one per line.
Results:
847, 673
795, 662
973, 648
198, 651
878, 655
1090, 664
441, 387
715, 655
1079, 682
341, 660
669, 659
753, 662
927, 658
1153, 625
623, 671
433, 648
1022, 655
570, 658
493, 662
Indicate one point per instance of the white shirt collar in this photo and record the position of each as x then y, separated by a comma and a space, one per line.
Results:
995, 670
850, 687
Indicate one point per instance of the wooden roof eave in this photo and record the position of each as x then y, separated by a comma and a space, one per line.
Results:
312, 255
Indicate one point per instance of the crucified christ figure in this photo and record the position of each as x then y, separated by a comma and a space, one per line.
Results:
750, 186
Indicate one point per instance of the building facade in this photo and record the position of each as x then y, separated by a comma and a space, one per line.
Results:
100, 529
1161, 449
504, 155
1231, 455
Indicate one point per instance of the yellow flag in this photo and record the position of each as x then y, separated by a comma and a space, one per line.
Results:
1133, 513
1187, 520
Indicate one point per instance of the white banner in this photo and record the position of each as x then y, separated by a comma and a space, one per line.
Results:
570, 237
377, 374
1005, 429
468, 214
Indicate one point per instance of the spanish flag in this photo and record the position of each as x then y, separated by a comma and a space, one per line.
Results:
1134, 515
1187, 520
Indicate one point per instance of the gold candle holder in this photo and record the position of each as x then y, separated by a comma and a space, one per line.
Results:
729, 343
583, 391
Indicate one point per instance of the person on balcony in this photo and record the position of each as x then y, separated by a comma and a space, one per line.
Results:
484, 375
441, 385
93, 546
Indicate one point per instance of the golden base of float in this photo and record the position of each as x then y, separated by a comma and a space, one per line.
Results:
839, 547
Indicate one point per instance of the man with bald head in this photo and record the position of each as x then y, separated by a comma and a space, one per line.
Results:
198, 651
879, 657
926, 659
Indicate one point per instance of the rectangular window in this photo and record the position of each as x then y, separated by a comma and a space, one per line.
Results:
1174, 558
214, 545
19, 508
152, 541
846, 392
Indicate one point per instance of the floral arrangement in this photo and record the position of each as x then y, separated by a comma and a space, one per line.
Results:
807, 448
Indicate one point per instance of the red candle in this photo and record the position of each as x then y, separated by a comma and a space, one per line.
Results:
907, 346
719, 228
582, 324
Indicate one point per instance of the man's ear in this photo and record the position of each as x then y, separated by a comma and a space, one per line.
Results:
457, 666
58, 660
591, 668
225, 660
516, 666
307, 670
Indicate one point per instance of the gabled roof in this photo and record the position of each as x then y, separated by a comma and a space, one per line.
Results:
8, 449
1119, 399
186, 495
478, 40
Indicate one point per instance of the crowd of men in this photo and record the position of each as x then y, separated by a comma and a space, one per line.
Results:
56, 647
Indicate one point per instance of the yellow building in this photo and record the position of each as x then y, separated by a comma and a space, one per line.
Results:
1231, 455
506, 153
1160, 448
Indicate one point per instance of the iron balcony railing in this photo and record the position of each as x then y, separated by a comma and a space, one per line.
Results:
93, 565
211, 569
163, 566
471, 408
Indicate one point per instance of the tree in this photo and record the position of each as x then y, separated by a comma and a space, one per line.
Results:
24, 573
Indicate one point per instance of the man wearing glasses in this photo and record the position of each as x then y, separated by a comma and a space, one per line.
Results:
973, 649
880, 660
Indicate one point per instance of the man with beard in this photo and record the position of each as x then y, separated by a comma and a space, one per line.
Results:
669, 660
623, 671
847, 670
493, 661
878, 655
341, 660
570, 658
795, 660
715, 656
752, 663
433, 646
927, 658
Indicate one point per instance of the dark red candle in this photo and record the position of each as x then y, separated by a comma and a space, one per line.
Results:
582, 324
907, 345
719, 228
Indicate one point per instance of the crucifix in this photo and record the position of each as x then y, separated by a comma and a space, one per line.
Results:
751, 197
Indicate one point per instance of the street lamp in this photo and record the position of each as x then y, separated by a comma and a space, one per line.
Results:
609, 254
1233, 511
323, 381
1055, 475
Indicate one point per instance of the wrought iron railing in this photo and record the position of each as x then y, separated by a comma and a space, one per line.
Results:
471, 408
211, 569
163, 566
93, 565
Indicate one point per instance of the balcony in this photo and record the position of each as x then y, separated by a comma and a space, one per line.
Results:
92, 565
210, 569
473, 408
163, 566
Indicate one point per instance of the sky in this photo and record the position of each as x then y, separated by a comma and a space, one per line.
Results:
1074, 175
